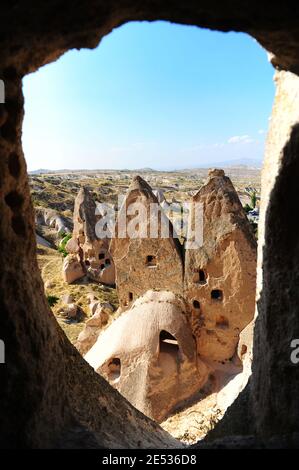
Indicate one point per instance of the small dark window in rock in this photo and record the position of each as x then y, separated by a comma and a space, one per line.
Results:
151, 261
199, 276
102, 266
107, 261
87, 263
101, 255
130, 296
217, 294
168, 343
114, 369
196, 304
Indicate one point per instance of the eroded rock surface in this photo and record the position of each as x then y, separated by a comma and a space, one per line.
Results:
220, 275
53, 220
91, 251
148, 260
72, 269
100, 316
149, 354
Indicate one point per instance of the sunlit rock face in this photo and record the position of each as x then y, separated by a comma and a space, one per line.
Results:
141, 353
52, 219
72, 269
220, 275
149, 354
146, 261
91, 251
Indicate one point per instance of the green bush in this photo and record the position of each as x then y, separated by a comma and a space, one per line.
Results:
52, 300
62, 234
247, 208
62, 244
253, 200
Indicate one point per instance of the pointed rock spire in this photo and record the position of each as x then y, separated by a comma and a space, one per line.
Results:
220, 275
147, 260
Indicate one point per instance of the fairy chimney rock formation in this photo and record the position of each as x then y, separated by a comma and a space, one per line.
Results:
84, 217
215, 172
91, 251
150, 259
220, 275
149, 354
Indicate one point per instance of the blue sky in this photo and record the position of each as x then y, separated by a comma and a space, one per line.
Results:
156, 95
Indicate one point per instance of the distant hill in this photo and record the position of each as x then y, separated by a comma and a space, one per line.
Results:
243, 163
239, 163
39, 172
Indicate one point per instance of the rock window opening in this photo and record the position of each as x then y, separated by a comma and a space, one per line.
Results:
151, 261
107, 262
101, 255
243, 349
114, 369
128, 299
87, 263
202, 277
102, 266
168, 343
196, 304
217, 294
